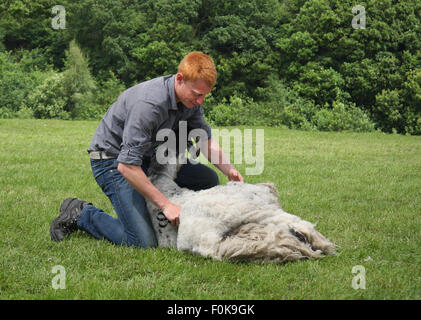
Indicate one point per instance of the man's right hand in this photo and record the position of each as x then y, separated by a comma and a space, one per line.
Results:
138, 180
172, 213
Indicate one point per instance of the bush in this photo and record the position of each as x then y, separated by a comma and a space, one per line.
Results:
24, 113
48, 100
235, 112
411, 92
282, 106
400, 109
387, 111
92, 106
320, 84
26, 91
6, 113
109, 90
298, 115
341, 117
17, 80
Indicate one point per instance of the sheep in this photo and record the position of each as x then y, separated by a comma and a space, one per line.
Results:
236, 222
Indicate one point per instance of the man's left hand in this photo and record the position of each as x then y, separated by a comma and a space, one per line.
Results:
234, 175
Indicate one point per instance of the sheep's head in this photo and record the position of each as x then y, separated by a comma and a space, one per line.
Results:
164, 167
306, 233
167, 161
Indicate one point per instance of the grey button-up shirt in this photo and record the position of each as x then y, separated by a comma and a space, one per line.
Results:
129, 128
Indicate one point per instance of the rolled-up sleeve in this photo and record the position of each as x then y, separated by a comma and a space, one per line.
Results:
139, 126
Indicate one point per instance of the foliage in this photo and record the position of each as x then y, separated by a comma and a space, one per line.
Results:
326, 60
66, 95
310, 45
78, 84
108, 92
48, 99
342, 117
282, 106
18, 76
236, 111
71, 94
26, 24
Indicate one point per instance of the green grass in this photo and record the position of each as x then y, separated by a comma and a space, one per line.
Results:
363, 190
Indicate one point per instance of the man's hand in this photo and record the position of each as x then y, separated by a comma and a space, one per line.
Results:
137, 178
234, 175
172, 213
216, 156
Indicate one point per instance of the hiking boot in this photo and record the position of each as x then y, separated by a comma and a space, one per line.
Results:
65, 223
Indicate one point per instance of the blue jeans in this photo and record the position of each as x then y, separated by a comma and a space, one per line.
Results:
133, 226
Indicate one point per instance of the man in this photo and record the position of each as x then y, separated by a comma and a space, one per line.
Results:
123, 145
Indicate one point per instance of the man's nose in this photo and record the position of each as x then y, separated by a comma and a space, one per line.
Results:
200, 100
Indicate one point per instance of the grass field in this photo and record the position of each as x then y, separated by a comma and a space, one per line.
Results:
363, 190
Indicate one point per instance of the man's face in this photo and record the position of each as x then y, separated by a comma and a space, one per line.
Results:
190, 93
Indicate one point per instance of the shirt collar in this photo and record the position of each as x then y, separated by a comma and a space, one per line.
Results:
171, 92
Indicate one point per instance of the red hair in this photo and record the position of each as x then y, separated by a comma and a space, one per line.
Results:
198, 65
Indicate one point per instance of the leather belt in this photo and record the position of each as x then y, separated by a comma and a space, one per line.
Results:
99, 155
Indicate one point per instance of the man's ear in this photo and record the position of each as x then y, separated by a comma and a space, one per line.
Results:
179, 77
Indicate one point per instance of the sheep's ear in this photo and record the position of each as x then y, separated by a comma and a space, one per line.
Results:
193, 150
193, 147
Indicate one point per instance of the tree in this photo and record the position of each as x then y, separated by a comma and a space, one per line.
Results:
78, 84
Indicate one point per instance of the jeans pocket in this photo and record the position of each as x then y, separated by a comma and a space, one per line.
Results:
113, 165
96, 164
102, 167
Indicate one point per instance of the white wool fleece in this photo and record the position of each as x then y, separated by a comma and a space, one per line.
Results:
236, 221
